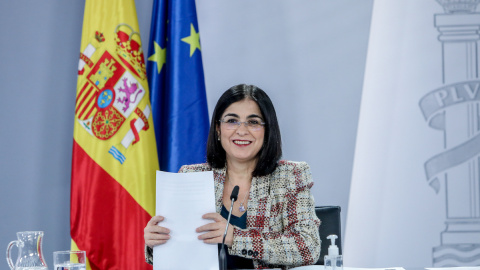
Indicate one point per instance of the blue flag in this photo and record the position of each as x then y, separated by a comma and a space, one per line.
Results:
177, 85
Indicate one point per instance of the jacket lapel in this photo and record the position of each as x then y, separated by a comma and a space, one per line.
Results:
219, 176
257, 202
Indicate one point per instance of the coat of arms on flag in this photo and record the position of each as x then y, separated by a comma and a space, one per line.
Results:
110, 91
114, 156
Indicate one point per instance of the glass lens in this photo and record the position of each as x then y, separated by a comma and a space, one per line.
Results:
230, 123
233, 123
254, 124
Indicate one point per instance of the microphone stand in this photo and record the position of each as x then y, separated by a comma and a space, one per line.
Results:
223, 256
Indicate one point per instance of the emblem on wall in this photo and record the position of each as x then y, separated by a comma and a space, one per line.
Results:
454, 109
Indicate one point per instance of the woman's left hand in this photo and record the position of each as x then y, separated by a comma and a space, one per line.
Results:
214, 231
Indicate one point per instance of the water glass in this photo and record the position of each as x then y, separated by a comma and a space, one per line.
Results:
69, 260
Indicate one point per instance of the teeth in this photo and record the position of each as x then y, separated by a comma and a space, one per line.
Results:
241, 142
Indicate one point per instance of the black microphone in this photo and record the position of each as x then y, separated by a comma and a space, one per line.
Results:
223, 256
234, 195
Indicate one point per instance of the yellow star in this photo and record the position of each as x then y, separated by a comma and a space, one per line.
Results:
193, 40
160, 56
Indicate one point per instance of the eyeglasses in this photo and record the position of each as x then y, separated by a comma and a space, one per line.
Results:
252, 124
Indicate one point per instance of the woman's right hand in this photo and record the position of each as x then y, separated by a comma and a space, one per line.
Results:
154, 234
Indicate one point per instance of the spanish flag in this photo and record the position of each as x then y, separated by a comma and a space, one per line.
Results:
114, 155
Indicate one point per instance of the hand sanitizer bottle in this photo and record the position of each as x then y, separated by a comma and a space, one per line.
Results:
333, 261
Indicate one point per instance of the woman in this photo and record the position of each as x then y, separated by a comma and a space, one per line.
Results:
274, 221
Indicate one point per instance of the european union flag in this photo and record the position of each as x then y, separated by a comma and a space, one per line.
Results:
177, 85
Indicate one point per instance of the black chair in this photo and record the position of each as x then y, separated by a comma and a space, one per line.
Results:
330, 218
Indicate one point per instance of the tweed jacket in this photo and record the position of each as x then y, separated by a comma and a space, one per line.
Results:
282, 228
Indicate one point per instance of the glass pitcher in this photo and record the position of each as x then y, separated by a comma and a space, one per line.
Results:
30, 255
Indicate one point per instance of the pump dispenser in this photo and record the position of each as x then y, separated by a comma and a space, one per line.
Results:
333, 261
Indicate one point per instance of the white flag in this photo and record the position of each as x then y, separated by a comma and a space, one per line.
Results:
415, 192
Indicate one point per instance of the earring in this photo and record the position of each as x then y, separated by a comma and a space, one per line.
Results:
219, 138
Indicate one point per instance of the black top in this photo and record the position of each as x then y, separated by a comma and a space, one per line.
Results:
233, 261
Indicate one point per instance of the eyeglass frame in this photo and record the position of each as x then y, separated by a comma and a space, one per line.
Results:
245, 123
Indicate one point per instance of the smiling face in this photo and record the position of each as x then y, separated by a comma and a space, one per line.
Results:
241, 144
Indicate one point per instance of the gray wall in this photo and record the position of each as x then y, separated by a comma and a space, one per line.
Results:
309, 55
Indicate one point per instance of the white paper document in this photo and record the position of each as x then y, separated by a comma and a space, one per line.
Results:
182, 198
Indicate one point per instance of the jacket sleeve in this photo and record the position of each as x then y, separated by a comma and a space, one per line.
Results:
293, 239
148, 255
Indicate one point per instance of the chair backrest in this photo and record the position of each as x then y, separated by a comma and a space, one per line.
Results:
330, 218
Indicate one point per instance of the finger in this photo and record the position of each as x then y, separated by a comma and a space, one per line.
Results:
214, 216
210, 227
210, 235
152, 239
156, 229
155, 220
217, 240
157, 236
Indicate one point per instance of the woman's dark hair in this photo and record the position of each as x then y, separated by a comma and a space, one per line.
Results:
271, 151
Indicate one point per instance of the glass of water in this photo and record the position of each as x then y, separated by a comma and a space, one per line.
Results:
69, 260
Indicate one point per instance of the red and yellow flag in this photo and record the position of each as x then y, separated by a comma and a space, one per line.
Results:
114, 150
